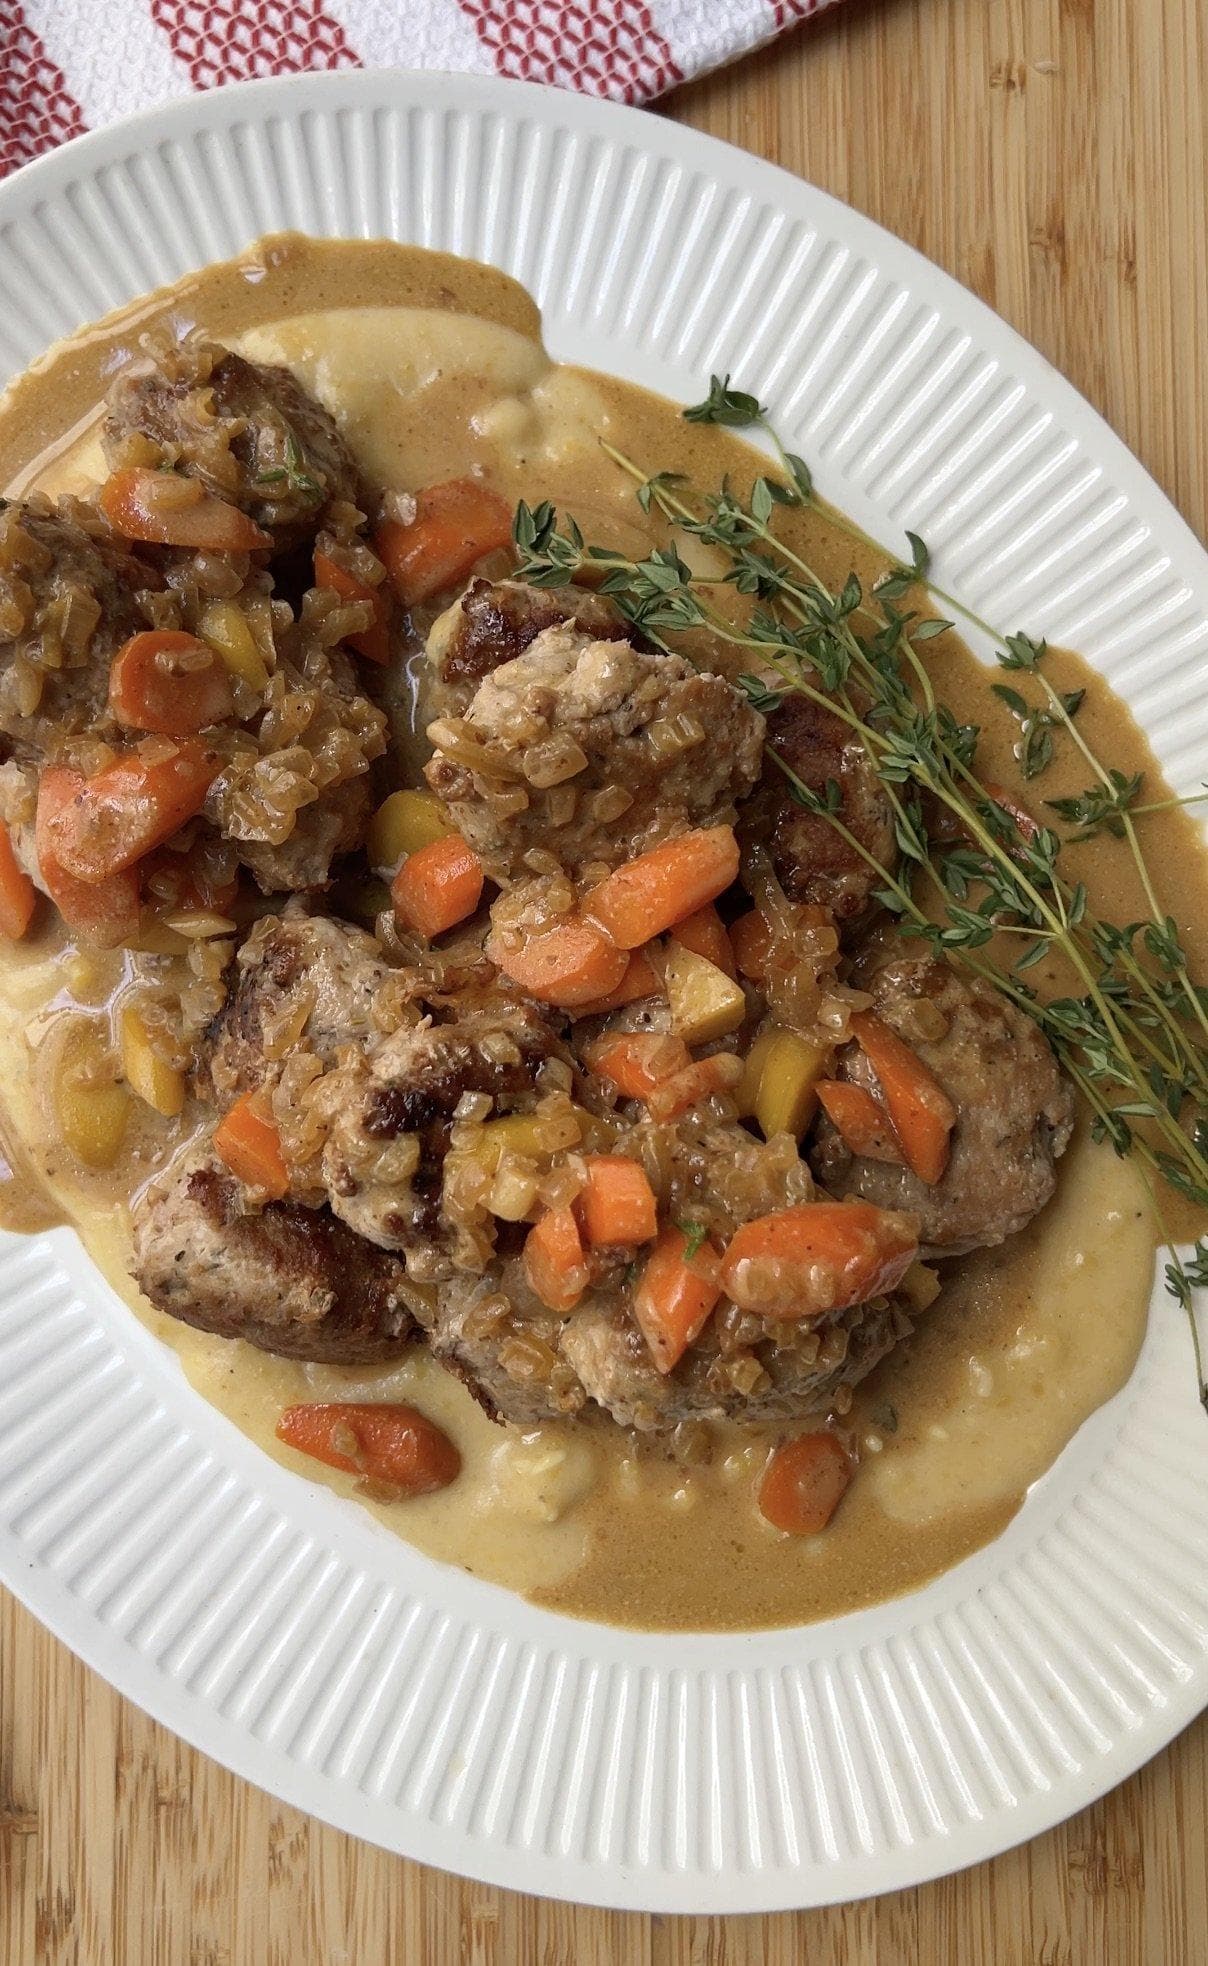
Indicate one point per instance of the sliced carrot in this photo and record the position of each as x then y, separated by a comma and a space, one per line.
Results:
393, 1445
372, 642
148, 692
659, 888
641, 979
572, 963
165, 509
105, 912
676, 1296
751, 941
617, 1205
437, 886
637, 1062
660, 1071
863, 1123
130, 806
818, 1257
704, 933
554, 1262
923, 1116
804, 1483
18, 895
455, 524
247, 1141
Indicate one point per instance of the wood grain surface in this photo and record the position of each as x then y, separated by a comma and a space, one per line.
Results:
1051, 154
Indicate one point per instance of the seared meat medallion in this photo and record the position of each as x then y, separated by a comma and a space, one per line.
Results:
810, 859
249, 432
1014, 1111
68, 600
580, 753
288, 1279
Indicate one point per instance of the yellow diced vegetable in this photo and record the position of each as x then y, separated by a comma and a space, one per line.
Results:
401, 825
535, 1135
705, 1002
597, 1133
147, 1074
226, 628
777, 1085
92, 1110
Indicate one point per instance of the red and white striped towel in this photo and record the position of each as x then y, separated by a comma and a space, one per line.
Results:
71, 65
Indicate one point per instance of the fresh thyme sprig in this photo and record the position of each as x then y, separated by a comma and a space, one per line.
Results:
1132, 1032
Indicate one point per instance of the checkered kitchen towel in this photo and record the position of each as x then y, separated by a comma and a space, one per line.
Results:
71, 65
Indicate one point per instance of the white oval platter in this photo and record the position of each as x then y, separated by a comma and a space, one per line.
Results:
279, 1628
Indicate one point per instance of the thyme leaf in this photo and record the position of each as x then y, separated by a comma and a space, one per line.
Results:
696, 1235
726, 406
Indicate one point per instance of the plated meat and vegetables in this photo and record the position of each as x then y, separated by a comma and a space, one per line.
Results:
576, 964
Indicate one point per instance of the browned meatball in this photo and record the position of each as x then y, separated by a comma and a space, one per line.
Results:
295, 795
1014, 1110
494, 622
392, 1112
526, 1364
68, 600
301, 981
287, 1279
812, 862
251, 433
591, 751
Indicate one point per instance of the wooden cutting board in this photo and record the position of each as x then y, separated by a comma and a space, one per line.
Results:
1051, 154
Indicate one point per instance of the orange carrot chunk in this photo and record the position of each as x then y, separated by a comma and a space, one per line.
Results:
661, 1071
659, 888
863, 1123
804, 1483
638, 1062
163, 508
617, 1205
151, 689
247, 1141
105, 912
130, 806
820, 1256
572, 963
437, 886
554, 1262
372, 642
922, 1114
704, 933
18, 895
455, 524
393, 1445
641, 979
676, 1296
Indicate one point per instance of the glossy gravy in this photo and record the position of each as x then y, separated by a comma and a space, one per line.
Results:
433, 365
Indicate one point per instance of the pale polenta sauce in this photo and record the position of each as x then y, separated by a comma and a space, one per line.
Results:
432, 366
